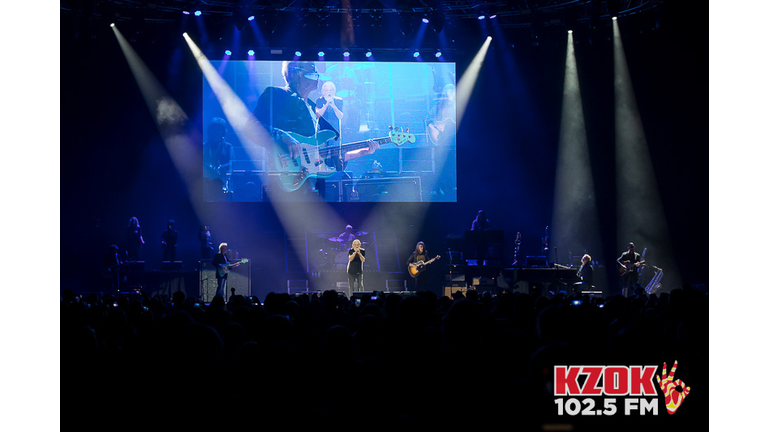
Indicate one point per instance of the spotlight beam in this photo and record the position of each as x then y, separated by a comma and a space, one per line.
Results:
296, 217
575, 224
171, 121
467, 82
639, 209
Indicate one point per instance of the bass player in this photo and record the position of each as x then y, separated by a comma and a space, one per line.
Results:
288, 109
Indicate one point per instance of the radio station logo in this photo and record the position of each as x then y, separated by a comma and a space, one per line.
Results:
673, 398
622, 389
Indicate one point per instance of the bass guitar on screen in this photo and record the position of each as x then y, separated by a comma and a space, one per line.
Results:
315, 152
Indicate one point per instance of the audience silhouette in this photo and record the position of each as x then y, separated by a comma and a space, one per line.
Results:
393, 360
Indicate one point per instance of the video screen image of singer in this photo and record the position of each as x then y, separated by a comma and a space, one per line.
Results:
330, 131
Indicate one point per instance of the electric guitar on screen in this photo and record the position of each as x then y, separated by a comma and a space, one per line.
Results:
414, 269
315, 151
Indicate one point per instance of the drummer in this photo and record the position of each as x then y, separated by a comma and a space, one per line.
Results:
347, 236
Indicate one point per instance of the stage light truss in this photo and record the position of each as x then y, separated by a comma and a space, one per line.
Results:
509, 13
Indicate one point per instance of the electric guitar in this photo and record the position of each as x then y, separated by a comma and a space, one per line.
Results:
227, 268
438, 130
315, 151
414, 269
630, 267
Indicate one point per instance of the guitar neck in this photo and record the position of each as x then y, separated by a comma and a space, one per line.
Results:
355, 145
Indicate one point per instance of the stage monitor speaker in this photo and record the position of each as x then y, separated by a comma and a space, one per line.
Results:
393, 285
483, 281
449, 288
297, 286
396, 189
238, 278
344, 287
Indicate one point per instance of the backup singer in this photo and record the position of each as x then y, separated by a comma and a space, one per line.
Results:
134, 239
168, 241
355, 266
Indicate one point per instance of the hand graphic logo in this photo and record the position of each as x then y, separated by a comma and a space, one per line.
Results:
672, 397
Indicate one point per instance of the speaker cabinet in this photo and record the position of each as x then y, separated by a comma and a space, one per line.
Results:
246, 186
449, 288
239, 278
396, 189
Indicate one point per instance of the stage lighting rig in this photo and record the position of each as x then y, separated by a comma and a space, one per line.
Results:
437, 19
241, 17
614, 8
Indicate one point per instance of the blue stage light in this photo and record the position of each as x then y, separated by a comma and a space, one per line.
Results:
251, 52
416, 54
251, 18
438, 54
346, 53
228, 52
425, 20
297, 53
368, 54
198, 13
185, 12
481, 17
321, 54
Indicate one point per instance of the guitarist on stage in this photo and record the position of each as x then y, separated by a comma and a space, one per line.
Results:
288, 109
420, 254
220, 262
629, 262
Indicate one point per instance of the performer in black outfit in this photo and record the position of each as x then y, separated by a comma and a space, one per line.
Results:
134, 239
217, 154
220, 263
112, 268
206, 244
585, 273
481, 222
628, 261
288, 109
329, 109
420, 254
169, 240
355, 266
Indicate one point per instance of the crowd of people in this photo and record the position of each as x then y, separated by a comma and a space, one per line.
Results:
323, 358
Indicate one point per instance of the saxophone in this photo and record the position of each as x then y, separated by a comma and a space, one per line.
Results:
655, 283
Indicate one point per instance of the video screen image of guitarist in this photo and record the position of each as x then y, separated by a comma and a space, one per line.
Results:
386, 113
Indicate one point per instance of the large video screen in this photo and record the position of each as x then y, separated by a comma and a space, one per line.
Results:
331, 131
